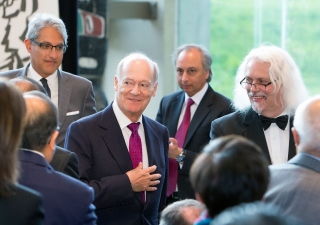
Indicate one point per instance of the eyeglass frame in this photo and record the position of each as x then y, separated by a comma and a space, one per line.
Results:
251, 84
64, 47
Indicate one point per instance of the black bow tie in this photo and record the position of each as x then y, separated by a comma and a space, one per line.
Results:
281, 121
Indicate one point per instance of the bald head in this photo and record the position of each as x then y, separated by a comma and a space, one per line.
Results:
26, 84
41, 120
307, 126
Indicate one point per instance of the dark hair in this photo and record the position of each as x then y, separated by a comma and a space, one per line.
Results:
230, 170
41, 121
12, 113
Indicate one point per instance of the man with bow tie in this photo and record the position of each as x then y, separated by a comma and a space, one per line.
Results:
268, 89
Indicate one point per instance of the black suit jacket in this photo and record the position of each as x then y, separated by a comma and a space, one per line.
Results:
247, 124
213, 105
104, 160
75, 96
24, 207
65, 162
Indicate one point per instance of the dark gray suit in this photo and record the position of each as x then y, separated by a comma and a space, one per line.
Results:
213, 105
295, 188
75, 94
247, 124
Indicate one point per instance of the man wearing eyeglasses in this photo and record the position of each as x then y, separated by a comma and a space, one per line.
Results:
46, 41
268, 89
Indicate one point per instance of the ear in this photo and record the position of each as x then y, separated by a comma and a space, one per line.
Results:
154, 90
116, 82
53, 139
207, 73
295, 136
27, 43
198, 197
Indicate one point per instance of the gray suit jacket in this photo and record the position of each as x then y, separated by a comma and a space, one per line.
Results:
295, 187
75, 94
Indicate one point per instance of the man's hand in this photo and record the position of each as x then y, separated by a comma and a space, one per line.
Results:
174, 150
142, 179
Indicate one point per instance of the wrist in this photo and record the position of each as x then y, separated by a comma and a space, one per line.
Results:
181, 156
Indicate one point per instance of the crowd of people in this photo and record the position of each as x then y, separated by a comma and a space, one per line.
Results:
204, 159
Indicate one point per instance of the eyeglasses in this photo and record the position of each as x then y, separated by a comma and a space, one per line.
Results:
47, 46
260, 86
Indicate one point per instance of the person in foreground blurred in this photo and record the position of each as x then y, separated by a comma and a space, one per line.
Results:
63, 160
19, 205
66, 200
123, 154
235, 172
183, 212
295, 186
268, 89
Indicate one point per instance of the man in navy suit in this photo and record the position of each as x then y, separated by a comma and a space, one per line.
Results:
46, 41
268, 89
124, 194
65, 199
193, 70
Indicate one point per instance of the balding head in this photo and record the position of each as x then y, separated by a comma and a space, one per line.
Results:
307, 126
26, 84
41, 121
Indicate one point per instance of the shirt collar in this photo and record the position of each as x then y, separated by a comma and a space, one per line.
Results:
122, 119
198, 96
35, 76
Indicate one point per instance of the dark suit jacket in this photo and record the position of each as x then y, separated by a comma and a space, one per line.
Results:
75, 94
65, 162
294, 187
247, 124
104, 160
213, 105
65, 199
24, 207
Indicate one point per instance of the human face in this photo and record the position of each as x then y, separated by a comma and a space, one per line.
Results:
190, 72
266, 102
135, 88
45, 62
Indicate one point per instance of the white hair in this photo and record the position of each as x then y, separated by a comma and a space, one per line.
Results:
283, 72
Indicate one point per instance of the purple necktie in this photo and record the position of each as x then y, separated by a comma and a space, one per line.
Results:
135, 148
180, 136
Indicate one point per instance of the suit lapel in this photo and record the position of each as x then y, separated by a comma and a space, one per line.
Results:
64, 90
175, 111
253, 131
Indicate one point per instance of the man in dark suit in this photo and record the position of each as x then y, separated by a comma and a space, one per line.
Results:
268, 88
18, 204
193, 71
66, 200
46, 41
294, 186
127, 167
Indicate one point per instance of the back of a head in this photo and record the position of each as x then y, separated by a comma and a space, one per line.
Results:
42, 20
183, 212
307, 124
26, 84
284, 73
236, 171
253, 214
12, 113
41, 121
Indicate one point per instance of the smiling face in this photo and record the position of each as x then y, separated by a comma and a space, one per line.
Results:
45, 62
190, 72
264, 102
135, 88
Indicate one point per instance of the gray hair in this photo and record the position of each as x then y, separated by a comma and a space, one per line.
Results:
307, 124
42, 20
173, 213
138, 55
206, 57
283, 72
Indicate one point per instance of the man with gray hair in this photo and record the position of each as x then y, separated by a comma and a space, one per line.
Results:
123, 154
268, 89
183, 212
46, 41
196, 104
295, 186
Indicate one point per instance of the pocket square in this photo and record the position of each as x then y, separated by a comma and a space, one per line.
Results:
72, 113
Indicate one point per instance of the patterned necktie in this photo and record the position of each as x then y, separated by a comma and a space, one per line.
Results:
281, 121
180, 136
45, 86
135, 148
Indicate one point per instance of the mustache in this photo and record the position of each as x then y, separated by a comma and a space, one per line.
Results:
257, 94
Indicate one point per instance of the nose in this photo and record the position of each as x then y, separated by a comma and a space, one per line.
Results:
53, 52
253, 87
184, 76
135, 89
